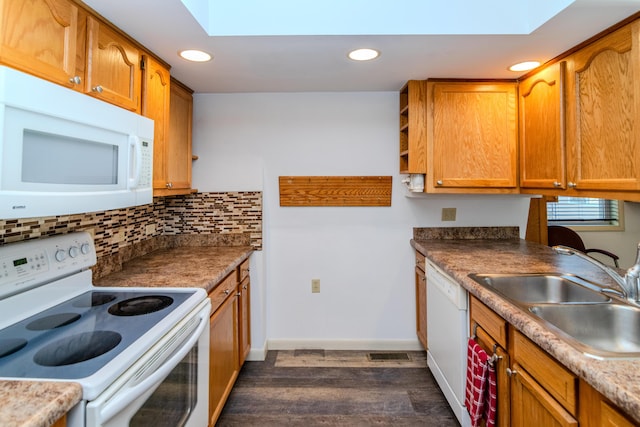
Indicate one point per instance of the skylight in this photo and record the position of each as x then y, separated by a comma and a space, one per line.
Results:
371, 17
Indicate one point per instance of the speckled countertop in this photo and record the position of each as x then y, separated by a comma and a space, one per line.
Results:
36, 403
187, 266
617, 379
40, 404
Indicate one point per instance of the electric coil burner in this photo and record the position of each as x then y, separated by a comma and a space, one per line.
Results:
57, 326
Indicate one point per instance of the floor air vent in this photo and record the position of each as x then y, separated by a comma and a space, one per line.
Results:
374, 357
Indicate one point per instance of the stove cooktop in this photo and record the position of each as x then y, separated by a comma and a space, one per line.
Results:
76, 338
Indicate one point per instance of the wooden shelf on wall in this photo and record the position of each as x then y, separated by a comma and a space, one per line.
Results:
335, 190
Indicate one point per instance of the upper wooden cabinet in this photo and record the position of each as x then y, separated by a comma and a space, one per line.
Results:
172, 156
113, 66
472, 132
542, 130
61, 42
413, 127
603, 113
41, 38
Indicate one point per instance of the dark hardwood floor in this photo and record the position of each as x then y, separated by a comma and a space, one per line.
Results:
337, 388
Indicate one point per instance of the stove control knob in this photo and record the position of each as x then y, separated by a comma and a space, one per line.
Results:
60, 255
85, 248
73, 251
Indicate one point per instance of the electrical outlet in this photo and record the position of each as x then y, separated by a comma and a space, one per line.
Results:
121, 236
448, 214
315, 286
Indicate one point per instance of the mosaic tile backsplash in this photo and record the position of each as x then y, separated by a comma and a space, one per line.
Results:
218, 219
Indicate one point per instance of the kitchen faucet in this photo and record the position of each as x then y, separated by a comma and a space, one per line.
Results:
630, 283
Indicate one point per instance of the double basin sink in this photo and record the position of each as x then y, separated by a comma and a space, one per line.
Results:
596, 322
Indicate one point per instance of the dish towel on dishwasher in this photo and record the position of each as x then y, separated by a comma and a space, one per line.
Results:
480, 394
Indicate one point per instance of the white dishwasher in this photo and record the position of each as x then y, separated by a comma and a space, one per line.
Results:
447, 329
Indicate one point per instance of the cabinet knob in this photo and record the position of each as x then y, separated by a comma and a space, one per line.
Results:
238, 294
227, 291
557, 184
439, 182
76, 80
572, 185
169, 185
511, 372
97, 89
244, 287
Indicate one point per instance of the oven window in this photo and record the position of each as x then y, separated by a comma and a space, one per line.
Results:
173, 401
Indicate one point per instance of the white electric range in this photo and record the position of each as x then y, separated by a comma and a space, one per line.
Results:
140, 354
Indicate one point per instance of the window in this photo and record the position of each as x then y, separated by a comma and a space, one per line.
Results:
585, 212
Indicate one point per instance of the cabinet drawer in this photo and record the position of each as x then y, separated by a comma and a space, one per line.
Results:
420, 261
493, 324
244, 269
555, 378
223, 290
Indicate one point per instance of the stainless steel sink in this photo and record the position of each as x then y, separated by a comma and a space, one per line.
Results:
542, 288
600, 330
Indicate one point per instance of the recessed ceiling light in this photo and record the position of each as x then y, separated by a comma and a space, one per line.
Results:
195, 55
363, 54
524, 66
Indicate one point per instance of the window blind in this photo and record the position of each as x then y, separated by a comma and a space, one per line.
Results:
582, 211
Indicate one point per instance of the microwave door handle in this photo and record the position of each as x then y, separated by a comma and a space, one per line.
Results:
135, 146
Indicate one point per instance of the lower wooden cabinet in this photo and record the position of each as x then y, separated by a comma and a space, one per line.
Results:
224, 363
534, 389
62, 422
421, 307
532, 405
244, 316
229, 336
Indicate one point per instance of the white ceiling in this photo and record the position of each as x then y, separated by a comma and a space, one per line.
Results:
308, 63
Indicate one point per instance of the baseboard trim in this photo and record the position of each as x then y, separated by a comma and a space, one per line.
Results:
388, 345
257, 354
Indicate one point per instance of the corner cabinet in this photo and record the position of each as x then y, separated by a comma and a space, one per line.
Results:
173, 156
542, 129
413, 127
473, 137
603, 112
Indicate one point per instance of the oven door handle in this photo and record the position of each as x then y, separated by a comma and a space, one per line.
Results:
134, 387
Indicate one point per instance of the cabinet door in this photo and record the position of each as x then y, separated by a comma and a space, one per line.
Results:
603, 128
156, 92
223, 355
531, 405
421, 307
542, 142
113, 66
173, 175
244, 317
474, 136
40, 38
488, 344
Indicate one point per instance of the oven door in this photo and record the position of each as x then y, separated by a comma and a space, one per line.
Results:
168, 386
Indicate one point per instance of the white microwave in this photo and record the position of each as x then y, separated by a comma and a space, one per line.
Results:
62, 152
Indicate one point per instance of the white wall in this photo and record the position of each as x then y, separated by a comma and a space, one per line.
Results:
361, 254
